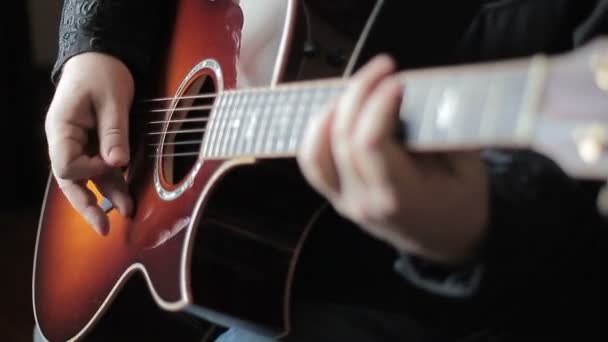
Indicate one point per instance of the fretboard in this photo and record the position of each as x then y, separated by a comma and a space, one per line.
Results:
444, 108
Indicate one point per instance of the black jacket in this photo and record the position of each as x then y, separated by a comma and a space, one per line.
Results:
543, 256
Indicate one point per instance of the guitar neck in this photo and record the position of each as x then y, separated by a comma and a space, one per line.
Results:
448, 108
470, 107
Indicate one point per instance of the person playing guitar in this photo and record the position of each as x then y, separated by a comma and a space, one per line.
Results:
480, 240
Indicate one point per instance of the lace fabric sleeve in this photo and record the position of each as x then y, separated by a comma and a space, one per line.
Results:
126, 30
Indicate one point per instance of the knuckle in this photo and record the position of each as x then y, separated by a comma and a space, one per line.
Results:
353, 207
339, 131
344, 209
311, 166
388, 205
361, 213
341, 128
310, 158
342, 147
364, 140
355, 156
62, 170
113, 132
389, 83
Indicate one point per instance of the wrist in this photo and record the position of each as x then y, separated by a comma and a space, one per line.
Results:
459, 247
99, 75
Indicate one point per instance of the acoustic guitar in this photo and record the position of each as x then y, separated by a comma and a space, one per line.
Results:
225, 250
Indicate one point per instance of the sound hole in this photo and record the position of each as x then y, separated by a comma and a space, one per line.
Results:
187, 129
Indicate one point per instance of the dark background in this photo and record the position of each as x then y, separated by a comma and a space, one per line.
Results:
28, 41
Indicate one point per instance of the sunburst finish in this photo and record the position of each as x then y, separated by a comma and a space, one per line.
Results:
77, 272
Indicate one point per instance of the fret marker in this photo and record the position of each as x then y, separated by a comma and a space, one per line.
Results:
600, 66
591, 142
447, 109
251, 127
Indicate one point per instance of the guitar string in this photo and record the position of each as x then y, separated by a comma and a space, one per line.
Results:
137, 111
177, 109
316, 85
186, 143
160, 134
199, 119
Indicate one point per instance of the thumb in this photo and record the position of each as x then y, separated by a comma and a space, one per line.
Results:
113, 132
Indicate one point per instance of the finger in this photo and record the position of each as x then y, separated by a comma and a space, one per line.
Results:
361, 85
66, 126
82, 167
84, 202
374, 135
315, 156
347, 115
113, 131
113, 187
464, 162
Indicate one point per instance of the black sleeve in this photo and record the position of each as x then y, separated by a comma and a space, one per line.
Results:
546, 241
546, 246
127, 30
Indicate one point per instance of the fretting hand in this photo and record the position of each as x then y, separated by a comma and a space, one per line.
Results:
433, 205
93, 97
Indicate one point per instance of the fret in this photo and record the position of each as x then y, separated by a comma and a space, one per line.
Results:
267, 143
264, 118
307, 114
314, 107
248, 124
217, 120
256, 117
215, 124
504, 97
228, 124
427, 118
287, 117
509, 101
267, 123
490, 109
272, 122
221, 126
301, 113
535, 82
470, 91
231, 118
233, 123
318, 101
209, 129
236, 123
280, 115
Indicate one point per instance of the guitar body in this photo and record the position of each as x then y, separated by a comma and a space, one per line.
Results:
205, 243
219, 236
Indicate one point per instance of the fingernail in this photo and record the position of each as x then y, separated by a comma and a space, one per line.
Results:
118, 156
127, 208
102, 229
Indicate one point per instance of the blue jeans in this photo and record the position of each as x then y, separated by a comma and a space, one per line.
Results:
329, 322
